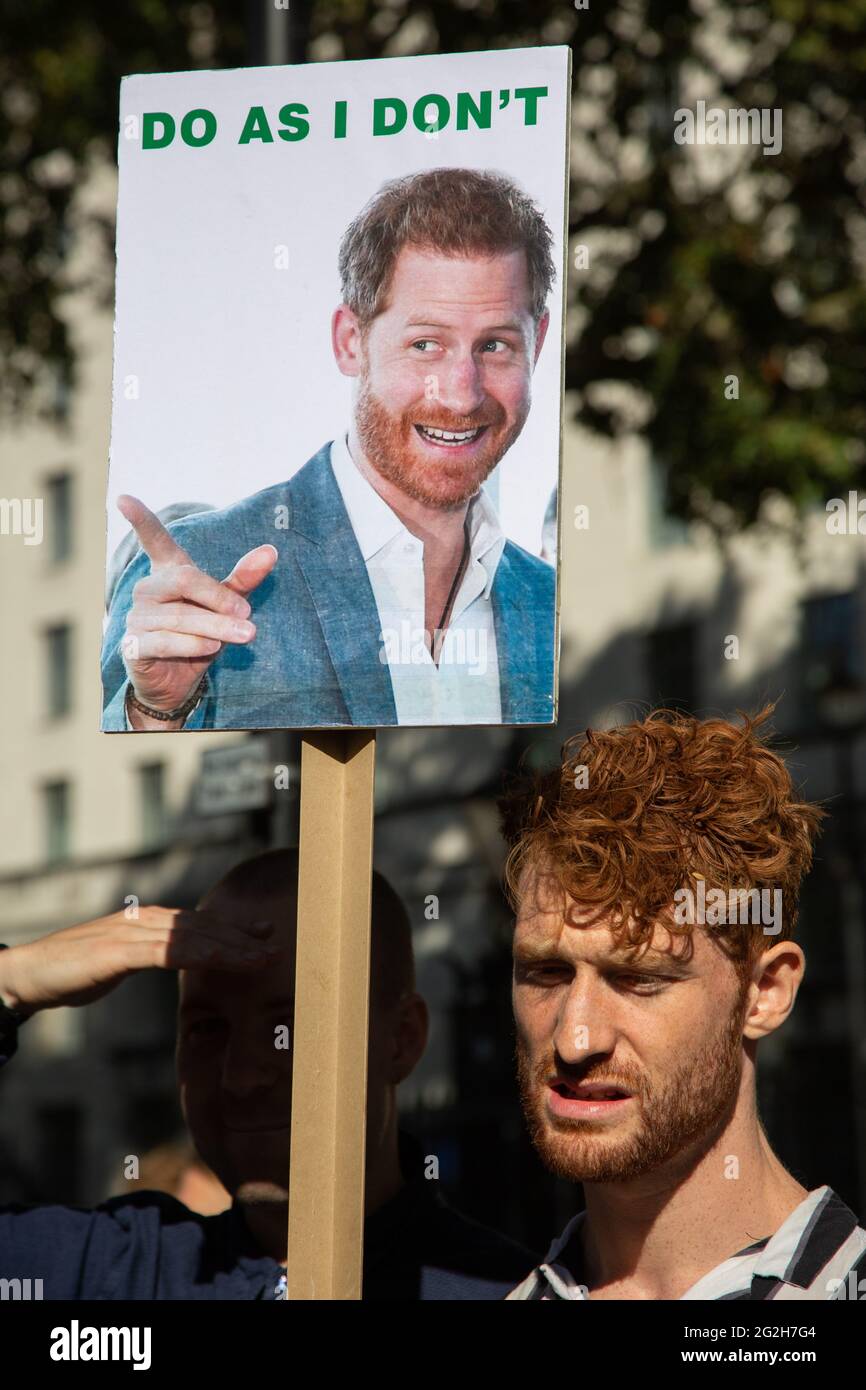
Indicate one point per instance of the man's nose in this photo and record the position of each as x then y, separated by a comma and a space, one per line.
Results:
249, 1069
460, 387
585, 1025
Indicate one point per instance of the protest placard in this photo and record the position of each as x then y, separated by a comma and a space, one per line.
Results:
336, 422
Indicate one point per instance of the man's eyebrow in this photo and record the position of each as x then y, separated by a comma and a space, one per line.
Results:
527, 950
652, 960
660, 962
193, 1004
494, 328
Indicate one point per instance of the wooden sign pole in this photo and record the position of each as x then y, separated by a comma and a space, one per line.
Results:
329, 1043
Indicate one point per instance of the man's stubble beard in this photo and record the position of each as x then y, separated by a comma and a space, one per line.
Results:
387, 443
690, 1111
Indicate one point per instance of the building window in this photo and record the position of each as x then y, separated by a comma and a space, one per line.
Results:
671, 660
663, 528
57, 801
60, 517
58, 658
151, 782
828, 644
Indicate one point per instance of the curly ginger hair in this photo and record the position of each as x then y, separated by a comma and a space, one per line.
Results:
637, 812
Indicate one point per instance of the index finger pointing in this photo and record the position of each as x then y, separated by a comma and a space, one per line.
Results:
155, 540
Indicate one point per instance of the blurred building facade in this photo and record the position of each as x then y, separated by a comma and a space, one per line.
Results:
651, 612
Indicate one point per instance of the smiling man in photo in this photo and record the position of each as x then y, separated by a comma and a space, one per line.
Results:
376, 586
638, 1030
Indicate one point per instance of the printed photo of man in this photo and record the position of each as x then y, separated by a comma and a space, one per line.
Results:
376, 586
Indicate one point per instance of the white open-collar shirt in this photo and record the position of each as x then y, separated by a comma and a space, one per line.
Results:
464, 688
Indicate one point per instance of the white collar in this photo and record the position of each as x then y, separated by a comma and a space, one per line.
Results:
375, 523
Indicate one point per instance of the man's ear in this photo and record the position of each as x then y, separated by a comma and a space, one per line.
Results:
411, 1030
541, 334
775, 980
346, 341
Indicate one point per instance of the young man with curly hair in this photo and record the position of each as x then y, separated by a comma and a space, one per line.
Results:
655, 874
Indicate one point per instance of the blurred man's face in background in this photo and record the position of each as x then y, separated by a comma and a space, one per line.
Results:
624, 1065
235, 1083
453, 350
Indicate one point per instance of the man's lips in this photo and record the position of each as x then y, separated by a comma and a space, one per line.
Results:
586, 1099
451, 441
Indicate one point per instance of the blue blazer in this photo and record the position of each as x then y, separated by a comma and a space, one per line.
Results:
315, 658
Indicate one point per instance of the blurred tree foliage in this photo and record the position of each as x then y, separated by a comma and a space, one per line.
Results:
701, 262
60, 71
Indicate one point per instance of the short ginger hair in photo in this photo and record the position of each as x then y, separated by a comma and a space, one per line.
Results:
455, 211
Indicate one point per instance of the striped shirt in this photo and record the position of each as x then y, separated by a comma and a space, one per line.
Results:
818, 1253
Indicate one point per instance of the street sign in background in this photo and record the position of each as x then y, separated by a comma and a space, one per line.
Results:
234, 779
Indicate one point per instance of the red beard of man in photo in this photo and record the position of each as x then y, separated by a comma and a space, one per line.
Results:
392, 443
